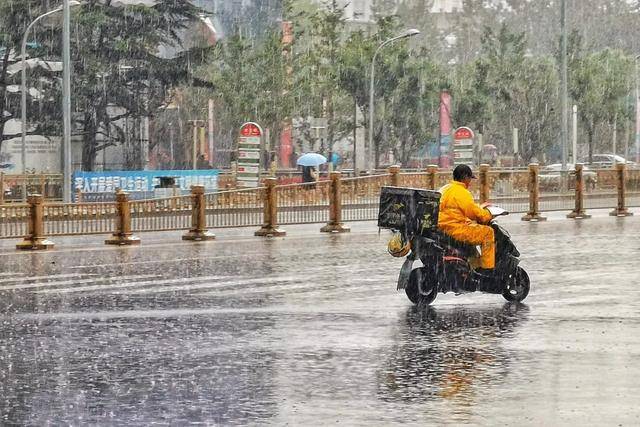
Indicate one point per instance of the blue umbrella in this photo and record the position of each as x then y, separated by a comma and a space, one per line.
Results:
311, 159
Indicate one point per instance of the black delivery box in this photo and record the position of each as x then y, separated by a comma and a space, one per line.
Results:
411, 210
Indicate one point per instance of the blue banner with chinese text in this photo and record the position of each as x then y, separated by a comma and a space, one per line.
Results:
101, 186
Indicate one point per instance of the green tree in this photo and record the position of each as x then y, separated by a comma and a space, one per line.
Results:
43, 109
599, 84
504, 88
253, 83
317, 74
119, 73
413, 107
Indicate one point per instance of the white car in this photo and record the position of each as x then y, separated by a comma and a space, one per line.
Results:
550, 177
606, 161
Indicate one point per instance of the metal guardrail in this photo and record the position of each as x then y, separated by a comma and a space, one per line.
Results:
62, 219
235, 208
13, 220
16, 188
361, 196
330, 201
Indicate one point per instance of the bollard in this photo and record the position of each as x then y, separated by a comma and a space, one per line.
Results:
578, 212
270, 226
484, 183
35, 240
198, 231
395, 175
534, 195
122, 235
432, 177
335, 224
621, 209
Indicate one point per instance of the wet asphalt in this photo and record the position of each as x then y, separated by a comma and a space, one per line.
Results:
309, 330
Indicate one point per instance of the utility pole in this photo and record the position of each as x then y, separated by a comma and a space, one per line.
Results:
637, 136
173, 162
66, 100
194, 148
211, 106
565, 104
574, 135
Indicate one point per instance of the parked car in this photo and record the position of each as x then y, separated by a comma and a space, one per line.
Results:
550, 177
607, 161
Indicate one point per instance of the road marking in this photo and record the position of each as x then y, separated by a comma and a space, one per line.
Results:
72, 282
53, 276
190, 287
246, 281
127, 285
9, 273
312, 287
149, 262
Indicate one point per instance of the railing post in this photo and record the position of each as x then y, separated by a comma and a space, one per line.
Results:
335, 224
35, 240
578, 212
270, 226
198, 230
122, 235
432, 177
534, 195
484, 183
621, 209
395, 175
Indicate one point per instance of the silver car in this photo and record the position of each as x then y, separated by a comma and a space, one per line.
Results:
550, 177
607, 161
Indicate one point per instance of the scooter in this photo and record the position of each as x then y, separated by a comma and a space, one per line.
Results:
446, 265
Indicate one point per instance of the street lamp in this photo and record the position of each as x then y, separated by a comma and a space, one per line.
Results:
23, 54
637, 139
66, 96
565, 102
408, 33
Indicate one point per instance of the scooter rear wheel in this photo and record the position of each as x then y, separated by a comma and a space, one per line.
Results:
422, 288
518, 289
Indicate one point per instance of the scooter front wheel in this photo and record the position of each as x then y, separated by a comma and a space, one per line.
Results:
422, 288
518, 288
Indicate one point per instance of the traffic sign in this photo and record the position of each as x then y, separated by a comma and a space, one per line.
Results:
463, 145
249, 149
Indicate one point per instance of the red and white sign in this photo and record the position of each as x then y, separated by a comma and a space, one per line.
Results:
463, 133
249, 148
463, 145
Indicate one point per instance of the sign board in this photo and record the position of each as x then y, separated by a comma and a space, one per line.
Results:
463, 145
101, 186
249, 149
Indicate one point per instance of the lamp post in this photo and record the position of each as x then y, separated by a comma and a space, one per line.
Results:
66, 97
565, 103
637, 136
23, 54
408, 33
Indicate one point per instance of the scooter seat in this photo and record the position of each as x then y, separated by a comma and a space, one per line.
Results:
447, 241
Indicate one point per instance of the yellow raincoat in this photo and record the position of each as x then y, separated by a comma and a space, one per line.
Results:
461, 218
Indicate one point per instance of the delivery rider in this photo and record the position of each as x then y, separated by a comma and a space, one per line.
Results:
461, 218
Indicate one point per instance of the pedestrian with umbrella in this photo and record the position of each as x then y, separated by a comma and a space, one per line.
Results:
310, 163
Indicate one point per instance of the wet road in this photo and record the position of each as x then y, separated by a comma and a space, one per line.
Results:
309, 330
